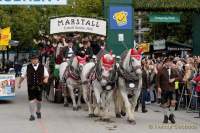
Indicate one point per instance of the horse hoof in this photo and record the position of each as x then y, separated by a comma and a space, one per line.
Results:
101, 108
105, 119
75, 108
123, 113
79, 107
132, 122
66, 105
118, 115
91, 115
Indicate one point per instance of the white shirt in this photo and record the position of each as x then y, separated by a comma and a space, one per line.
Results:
24, 71
70, 52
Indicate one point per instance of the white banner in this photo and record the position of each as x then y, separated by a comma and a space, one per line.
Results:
33, 2
77, 24
159, 44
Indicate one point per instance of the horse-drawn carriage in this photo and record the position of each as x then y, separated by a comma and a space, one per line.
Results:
100, 82
54, 92
57, 66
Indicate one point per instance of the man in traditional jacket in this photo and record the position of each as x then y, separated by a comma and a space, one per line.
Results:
166, 86
37, 75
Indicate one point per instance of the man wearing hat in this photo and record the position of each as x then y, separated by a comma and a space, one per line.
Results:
69, 50
86, 49
36, 75
167, 76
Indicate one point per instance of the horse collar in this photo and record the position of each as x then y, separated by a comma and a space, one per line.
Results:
72, 74
127, 75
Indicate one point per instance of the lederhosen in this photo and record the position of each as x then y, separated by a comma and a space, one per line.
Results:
169, 94
34, 80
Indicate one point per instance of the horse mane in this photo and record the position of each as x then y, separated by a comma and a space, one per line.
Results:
100, 54
62, 69
74, 62
123, 55
125, 58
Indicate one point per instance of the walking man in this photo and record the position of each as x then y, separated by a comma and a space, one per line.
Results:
37, 75
166, 87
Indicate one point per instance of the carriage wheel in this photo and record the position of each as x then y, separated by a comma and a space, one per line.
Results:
58, 92
51, 95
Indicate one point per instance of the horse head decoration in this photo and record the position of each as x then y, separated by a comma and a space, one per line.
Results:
132, 61
99, 81
106, 70
129, 82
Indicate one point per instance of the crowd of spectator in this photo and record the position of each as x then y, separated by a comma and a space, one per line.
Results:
183, 73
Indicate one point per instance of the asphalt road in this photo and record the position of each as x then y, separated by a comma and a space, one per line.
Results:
14, 117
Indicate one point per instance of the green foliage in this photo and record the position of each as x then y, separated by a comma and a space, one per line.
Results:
27, 21
167, 4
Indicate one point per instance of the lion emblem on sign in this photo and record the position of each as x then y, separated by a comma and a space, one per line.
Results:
121, 18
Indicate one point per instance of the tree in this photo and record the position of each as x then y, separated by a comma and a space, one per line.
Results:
27, 21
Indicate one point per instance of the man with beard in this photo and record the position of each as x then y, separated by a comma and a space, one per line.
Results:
166, 87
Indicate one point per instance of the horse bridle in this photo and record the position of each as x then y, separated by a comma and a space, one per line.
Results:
134, 68
111, 80
128, 76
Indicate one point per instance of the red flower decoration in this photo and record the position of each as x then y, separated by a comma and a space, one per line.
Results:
107, 62
136, 54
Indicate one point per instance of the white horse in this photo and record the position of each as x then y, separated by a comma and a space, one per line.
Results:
129, 83
73, 81
88, 74
101, 79
62, 69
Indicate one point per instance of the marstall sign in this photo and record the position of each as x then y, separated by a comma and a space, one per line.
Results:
77, 24
33, 2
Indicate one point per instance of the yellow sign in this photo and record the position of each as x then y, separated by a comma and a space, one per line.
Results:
145, 47
121, 18
5, 36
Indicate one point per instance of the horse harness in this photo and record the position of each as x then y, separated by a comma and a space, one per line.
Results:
72, 73
95, 74
130, 78
111, 81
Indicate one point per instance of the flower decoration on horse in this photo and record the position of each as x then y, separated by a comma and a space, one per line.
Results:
136, 54
108, 61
